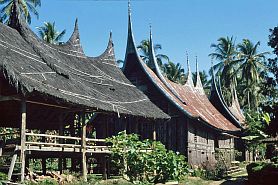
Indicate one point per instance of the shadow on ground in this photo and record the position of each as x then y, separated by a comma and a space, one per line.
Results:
235, 181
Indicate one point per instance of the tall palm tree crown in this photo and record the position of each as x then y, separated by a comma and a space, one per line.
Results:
48, 33
251, 67
25, 7
226, 54
174, 72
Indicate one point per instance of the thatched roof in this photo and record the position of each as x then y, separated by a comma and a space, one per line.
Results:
64, 73
189, 99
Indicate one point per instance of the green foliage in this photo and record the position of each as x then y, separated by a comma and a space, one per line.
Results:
3, 177
43, 182
144, 49
241, 67
257, 124
145, 161
274, 160
48, 33
174, 72
25, 8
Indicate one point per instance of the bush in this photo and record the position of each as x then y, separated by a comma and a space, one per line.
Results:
212, 171
145, 161
3, 177
274, 160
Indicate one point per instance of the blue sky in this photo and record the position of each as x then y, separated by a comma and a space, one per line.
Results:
178, 25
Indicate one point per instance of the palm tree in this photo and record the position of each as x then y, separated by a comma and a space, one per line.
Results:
251, 67
48, 33
144, 50
226, 54
174, 72
25, 7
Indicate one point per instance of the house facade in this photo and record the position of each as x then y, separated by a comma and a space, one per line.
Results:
196, 129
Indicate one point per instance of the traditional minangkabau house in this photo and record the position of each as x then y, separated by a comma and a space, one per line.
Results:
44, 86
196, 129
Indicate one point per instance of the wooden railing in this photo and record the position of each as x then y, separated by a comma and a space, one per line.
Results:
63, 142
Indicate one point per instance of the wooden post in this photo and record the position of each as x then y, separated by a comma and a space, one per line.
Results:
154, 132
43, 162
104, 170
61, 141
23, 138
83, 145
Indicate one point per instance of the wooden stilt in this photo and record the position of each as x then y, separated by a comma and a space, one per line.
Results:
61, 133
154, 132
83, 144
23, 138
104, 172
44, 166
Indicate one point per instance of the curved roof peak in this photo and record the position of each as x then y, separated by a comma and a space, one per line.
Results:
152, 58
109, 52
74, 40
156, 68
217, 96
198, 85
189, 81
130, 46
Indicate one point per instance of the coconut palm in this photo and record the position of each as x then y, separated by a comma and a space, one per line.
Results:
25, 7
48, 33
144, 50
251, 67
225, 52
174, 72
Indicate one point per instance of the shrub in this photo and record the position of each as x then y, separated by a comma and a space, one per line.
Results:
214, 171
274, 160
145, 161
3, 177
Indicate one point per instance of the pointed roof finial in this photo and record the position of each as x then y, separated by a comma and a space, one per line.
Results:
189, 80
152, 58
129, 8
74, 40
199, 85
110, 36
187, 61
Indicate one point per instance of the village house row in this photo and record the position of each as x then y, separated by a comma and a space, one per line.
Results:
44, 87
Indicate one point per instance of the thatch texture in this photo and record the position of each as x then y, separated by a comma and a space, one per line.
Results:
63, 72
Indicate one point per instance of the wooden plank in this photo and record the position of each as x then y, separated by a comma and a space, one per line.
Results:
83, 143
65, 137
23, 138
11, 169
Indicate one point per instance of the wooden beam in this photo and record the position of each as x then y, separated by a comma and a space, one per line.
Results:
8, 98
15, 98
23, 138
83, 144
